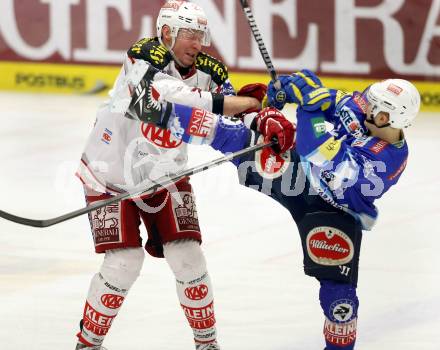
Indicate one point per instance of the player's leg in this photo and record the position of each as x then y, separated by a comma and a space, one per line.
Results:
176, 226
331, 245
116, 232
194, 288
340, 304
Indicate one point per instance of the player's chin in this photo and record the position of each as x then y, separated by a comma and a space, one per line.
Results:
188, 59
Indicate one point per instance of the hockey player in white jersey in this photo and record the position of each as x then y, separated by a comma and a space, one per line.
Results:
121, 154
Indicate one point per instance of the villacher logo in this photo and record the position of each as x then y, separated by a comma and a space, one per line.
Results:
329, 246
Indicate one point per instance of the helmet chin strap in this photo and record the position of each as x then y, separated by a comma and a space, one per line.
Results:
370, 119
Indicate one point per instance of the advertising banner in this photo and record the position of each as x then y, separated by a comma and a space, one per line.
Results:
78, 45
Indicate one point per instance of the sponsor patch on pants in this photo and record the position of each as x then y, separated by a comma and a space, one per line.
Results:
329, 246
105, 224
185, 212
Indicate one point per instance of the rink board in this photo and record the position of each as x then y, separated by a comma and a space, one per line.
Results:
93, 79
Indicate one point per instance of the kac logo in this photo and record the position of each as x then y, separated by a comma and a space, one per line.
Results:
196, 293
112, 301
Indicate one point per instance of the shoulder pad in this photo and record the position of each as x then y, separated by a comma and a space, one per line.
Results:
216, 69
152, 51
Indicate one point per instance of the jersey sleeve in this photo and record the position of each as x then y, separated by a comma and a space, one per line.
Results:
336, 97
198, 126
165, 88
176, 91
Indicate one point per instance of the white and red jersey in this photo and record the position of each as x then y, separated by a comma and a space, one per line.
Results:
123, 153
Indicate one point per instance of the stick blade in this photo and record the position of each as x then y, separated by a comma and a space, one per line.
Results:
24, 221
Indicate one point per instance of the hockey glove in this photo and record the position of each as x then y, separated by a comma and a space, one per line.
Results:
305, 89
272, 124
255, 90
317, 99
277, 97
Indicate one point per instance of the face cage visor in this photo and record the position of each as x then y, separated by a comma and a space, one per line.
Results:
190, 34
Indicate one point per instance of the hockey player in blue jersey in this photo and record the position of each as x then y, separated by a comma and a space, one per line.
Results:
349, 167
328, 181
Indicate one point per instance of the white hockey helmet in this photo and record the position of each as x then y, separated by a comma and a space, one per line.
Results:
397, 97
183, 15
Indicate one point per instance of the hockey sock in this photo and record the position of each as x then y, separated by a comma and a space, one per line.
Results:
340, 305
107, 291
194, 287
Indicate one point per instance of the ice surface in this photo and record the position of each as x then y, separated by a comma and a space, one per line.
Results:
262, 298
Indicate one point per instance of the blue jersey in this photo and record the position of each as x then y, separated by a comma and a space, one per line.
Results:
348, 172
348, 168
345, 167
347, 113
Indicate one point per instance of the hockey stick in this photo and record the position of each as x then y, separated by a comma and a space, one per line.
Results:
280, 96
259, 39
162, 182
99, 87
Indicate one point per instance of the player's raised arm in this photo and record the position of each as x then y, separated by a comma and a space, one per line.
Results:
141, 82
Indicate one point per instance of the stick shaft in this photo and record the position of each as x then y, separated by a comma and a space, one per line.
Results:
160, 183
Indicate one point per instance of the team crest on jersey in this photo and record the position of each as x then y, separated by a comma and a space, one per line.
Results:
329, 246
106, 136
160, 137
270, 165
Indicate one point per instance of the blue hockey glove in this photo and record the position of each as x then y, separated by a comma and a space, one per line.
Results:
305, 89
318, 99
277, 97
300, 84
